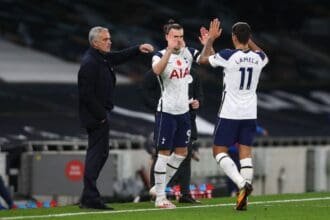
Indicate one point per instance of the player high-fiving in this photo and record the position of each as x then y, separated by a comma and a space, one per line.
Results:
238, 110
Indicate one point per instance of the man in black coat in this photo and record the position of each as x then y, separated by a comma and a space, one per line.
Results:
151, 93
96, 84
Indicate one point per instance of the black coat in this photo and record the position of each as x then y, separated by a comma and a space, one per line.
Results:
195, 92
151, 94
96, 84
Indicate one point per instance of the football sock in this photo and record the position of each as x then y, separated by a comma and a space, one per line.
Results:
160, 175
247, 169
172, 166
230, 169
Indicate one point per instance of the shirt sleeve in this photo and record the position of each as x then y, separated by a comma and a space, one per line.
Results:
156, 58
264, 58
221, 58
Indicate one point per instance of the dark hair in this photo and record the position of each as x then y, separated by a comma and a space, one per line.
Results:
171, 24
242, 31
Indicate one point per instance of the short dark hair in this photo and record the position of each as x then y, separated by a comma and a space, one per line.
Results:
242, 31
171, 24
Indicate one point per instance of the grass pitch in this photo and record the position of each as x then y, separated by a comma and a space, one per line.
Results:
287, 206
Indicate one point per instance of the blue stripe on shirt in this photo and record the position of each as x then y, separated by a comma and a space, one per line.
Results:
226, 53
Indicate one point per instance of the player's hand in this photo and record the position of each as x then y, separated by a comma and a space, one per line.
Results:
204, 35
173, 45
214, 29
146, 48
194, 104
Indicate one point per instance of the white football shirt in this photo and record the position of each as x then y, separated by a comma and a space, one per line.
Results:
241, 75
175, 79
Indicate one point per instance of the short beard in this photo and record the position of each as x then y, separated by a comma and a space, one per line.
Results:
176, 51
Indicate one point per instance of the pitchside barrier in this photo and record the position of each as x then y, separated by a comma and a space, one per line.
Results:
282, 165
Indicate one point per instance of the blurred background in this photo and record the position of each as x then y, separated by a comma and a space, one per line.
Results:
43, 145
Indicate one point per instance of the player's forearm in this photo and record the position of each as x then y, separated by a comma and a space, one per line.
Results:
206, 52
212, 51
161, 65
253, 46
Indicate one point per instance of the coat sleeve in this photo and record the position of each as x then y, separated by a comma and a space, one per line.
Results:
86, 85
197, 88
119, 57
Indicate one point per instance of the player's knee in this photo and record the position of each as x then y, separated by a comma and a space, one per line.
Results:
164, 152
182, 151
244, 156
219, 149
183, 154
245, 152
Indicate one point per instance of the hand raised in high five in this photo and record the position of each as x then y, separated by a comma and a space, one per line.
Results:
214, 29
204, 35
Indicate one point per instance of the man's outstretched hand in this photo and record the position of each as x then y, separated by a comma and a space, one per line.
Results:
146, 48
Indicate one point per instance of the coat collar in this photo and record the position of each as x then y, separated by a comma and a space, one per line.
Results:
95, 53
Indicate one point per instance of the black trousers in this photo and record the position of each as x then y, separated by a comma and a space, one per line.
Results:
96, 156
181, 177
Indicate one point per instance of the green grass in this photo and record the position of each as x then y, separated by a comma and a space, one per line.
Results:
261, 207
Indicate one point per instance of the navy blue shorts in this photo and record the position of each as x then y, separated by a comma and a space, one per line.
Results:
229, 131
172, 131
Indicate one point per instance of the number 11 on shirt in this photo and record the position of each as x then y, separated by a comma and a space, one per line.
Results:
249, 71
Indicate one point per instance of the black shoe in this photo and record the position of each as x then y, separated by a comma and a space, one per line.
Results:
241, 204
188, 199
95, 205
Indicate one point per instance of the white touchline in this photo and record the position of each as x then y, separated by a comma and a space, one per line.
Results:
157, 209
